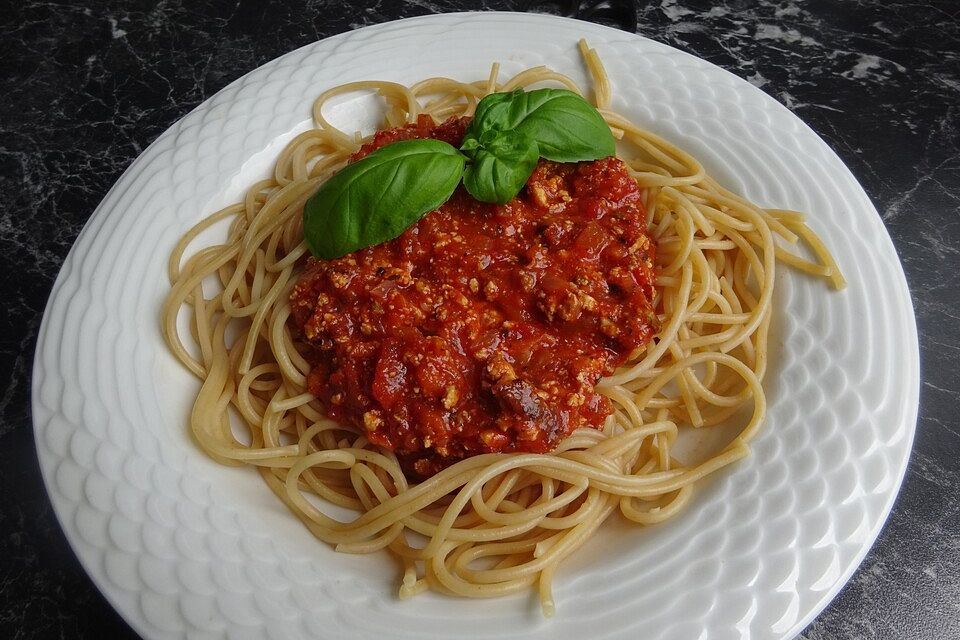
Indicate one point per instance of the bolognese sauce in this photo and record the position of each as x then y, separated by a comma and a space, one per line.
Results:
483, 328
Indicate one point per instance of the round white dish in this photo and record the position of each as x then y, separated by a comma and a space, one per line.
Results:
183, 547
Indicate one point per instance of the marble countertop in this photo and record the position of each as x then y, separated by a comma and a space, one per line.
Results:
86, 86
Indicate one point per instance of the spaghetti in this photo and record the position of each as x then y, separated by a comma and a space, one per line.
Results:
490, 524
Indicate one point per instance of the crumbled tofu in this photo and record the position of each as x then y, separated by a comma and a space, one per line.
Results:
372, 420
609, 328
575, 400
451, 397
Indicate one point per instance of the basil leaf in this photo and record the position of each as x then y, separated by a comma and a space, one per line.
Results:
378, 197
493, 112
565, 127
502, 162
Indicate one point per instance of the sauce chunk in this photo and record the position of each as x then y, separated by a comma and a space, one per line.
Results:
483, 328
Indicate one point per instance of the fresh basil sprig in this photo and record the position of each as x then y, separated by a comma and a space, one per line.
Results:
378, 197
559, 123
566, 127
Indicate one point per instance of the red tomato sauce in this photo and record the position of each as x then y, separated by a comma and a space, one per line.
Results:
483, 328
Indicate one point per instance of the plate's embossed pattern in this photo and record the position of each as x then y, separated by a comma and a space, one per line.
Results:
184, 548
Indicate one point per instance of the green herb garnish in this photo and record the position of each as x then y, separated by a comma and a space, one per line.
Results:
378, 197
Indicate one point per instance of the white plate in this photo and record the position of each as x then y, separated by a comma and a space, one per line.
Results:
184, 547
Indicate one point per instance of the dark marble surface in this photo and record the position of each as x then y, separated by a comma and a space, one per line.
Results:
86, 86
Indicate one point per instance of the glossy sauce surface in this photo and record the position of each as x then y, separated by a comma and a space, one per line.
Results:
483, 328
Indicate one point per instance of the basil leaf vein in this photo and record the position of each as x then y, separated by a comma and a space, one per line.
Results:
378, 197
